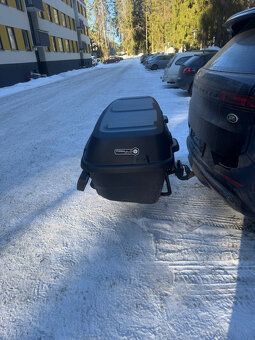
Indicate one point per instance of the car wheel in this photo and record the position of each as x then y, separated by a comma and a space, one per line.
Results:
154, 67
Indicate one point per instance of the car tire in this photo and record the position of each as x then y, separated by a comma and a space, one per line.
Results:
154, 67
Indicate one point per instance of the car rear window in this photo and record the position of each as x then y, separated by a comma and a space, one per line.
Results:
196, 61
182, 60
170, 61
237, 55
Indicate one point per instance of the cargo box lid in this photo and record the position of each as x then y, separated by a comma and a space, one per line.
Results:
130, 131
127, 115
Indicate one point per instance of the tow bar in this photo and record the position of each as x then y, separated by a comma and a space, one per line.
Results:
183, 172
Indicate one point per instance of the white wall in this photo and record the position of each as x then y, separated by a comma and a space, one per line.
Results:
13, 17
14, 57
57, 30
55, 56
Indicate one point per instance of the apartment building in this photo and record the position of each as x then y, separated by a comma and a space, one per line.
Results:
45, 36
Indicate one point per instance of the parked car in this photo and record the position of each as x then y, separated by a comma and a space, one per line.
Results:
221, 141
171, 71
148, 57
143, 57
158, 61
111, 60
188, 70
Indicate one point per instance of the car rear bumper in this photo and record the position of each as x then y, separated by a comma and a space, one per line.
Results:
184, 83
236, 198
171, 79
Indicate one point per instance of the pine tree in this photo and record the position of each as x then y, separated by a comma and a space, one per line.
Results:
158, 18
139, 25
185, 23
100, 25
212, 20
124, 20
152, 25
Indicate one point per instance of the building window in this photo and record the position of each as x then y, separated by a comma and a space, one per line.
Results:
71, 3
69, 22
19, 5
54, 45
49, 12
74, 46
1, 44
67, 46
63, 19
73, 24
70, 45
55, 12
26, 40
12, 39
60, 44
40, 14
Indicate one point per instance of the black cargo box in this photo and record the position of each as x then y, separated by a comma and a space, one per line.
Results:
130, 152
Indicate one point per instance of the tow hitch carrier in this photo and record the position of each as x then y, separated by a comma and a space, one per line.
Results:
130, 153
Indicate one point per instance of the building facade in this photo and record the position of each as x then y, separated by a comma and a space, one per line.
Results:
46, 37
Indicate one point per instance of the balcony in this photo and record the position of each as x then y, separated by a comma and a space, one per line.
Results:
41, 39
34, 5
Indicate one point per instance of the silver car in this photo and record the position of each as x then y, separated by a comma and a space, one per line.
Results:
158, 61
171, 71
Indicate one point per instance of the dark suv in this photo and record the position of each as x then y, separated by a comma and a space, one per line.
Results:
221, 142
189, 69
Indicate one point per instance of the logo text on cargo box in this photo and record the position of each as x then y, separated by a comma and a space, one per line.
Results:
126, 152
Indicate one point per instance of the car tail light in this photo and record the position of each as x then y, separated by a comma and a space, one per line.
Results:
238, 99
187, 70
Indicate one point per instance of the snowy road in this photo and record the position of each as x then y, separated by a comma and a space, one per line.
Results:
76, 266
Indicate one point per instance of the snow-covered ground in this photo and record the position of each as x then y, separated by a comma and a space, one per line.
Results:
76, 266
